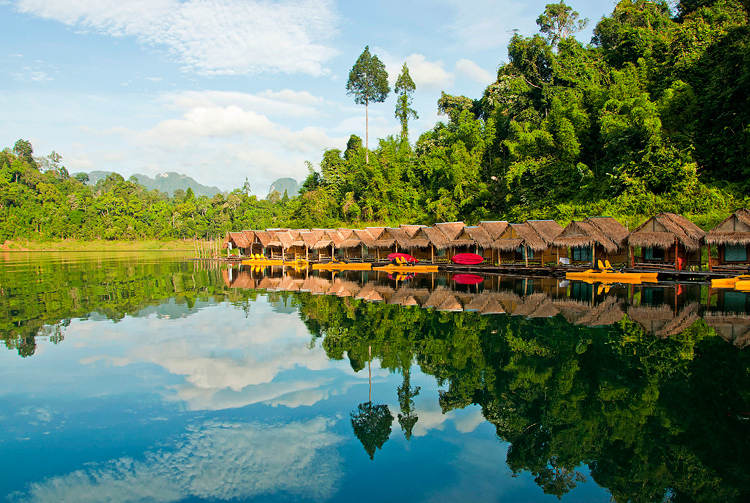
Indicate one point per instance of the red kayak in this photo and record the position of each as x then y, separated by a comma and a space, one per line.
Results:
467, 259
467, 279
405, 256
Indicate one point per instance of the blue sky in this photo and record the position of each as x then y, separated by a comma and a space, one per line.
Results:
221, 90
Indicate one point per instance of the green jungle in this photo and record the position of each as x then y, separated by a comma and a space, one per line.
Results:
649, 417
653, 115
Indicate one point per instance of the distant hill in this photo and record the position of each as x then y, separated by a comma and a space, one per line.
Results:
289, 184
166, 182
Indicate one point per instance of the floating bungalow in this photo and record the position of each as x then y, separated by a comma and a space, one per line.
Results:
529, 243
239, 241
666, 240
732, 240
593, 239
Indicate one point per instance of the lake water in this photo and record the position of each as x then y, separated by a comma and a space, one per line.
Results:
154, 378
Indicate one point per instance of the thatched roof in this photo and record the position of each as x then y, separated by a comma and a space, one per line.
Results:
507, 245
660, 231
238, 239
732, 327
263, 237
434, 236
548, 230
608, 312
250, 235
402, 239
410, 230
345, 233
480, 236
365, 237
536, 305
240, 279
309, 238
684, 319
281, 240
375, 232
451, 230
734, 230
494, 228
529, 236
604, 231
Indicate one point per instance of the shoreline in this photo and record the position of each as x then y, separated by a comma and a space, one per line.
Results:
101, 245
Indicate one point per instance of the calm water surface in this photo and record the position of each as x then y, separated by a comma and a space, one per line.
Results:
150, 377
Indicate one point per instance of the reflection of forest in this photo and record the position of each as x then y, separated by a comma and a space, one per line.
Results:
39, 297
631, 381
659, 310
653, 418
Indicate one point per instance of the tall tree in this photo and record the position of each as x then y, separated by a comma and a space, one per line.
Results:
559, 22
405, 86
368, 81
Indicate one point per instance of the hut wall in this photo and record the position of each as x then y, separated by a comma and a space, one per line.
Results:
690, 258
732, 259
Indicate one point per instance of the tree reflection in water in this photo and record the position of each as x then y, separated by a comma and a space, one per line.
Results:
652, 418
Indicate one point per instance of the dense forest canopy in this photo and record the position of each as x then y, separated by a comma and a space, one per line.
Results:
651, 116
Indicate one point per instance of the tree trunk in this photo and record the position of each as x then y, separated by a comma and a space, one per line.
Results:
367, 135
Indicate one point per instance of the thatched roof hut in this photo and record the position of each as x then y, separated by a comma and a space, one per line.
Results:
663, 230
521, 235
451, 230
734, 230
237, 240
263, 237
398, 235
410, 230
434, 236
495, 228
479, 235
607, 312
606, 232
732, 327
365, 237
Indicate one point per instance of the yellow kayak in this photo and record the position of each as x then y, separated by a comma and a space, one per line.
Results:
343, 266
261, 261
729, 282
612, 277
406, 268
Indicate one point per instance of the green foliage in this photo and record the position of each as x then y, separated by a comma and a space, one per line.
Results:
653, 419
405, 86
559, 22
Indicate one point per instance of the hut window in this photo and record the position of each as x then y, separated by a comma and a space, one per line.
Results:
521, 253
653, 254
735, 253
582, 254
365, 250
441, 253
339, 251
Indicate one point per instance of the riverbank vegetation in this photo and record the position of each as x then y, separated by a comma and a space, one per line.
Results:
651, 116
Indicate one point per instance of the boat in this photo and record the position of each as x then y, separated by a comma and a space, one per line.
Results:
262, 261
467, 279
729, 282
467, 259
400, 276
607, 274
342, 266
398, 257
403, 268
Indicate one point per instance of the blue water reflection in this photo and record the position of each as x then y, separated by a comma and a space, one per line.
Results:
213, 402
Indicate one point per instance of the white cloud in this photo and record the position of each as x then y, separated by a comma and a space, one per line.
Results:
473, 71
217, 461
228, 37
425, 74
